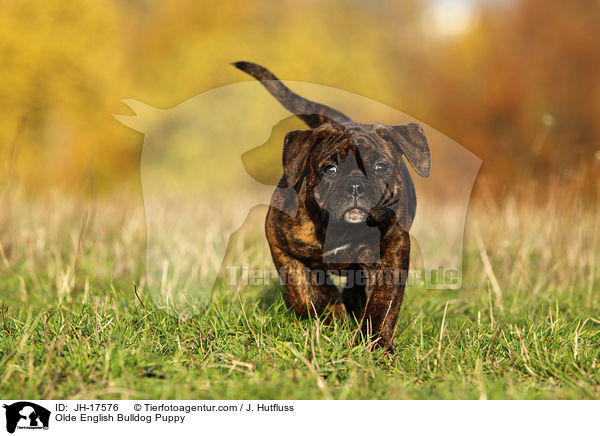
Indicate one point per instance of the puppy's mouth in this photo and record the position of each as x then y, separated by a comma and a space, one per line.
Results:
355, 216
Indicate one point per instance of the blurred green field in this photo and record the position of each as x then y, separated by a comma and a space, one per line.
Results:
526, 324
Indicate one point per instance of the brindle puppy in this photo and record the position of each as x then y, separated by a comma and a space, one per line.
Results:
354, 202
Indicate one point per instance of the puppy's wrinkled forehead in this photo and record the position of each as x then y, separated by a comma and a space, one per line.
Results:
340, 139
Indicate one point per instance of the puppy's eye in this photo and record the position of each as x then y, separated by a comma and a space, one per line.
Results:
329, 170
381, 168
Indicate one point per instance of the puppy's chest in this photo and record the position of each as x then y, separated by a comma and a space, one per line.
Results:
336, 248
361, 248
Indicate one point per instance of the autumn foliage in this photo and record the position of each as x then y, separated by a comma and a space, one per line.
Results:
520, 87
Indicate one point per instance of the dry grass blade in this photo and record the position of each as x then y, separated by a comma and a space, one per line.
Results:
488, 266
494, 339
439, 350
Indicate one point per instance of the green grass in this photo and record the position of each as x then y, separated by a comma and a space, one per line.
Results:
71, 325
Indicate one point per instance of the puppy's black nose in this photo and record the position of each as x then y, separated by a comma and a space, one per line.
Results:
356, 189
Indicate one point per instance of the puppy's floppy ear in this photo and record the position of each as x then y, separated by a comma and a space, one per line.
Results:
410, 139
296, 148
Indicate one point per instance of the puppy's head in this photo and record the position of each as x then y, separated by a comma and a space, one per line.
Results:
354, 172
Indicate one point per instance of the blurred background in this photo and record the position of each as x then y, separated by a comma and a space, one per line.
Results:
516, 82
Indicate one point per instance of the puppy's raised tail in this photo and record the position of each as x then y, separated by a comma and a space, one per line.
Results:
313, 114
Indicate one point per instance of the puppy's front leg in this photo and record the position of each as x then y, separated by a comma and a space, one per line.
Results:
385, 288
307, 291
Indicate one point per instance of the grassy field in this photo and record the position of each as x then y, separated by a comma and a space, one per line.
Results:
526, 325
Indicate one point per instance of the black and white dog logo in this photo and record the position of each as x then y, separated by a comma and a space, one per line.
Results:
26, 415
